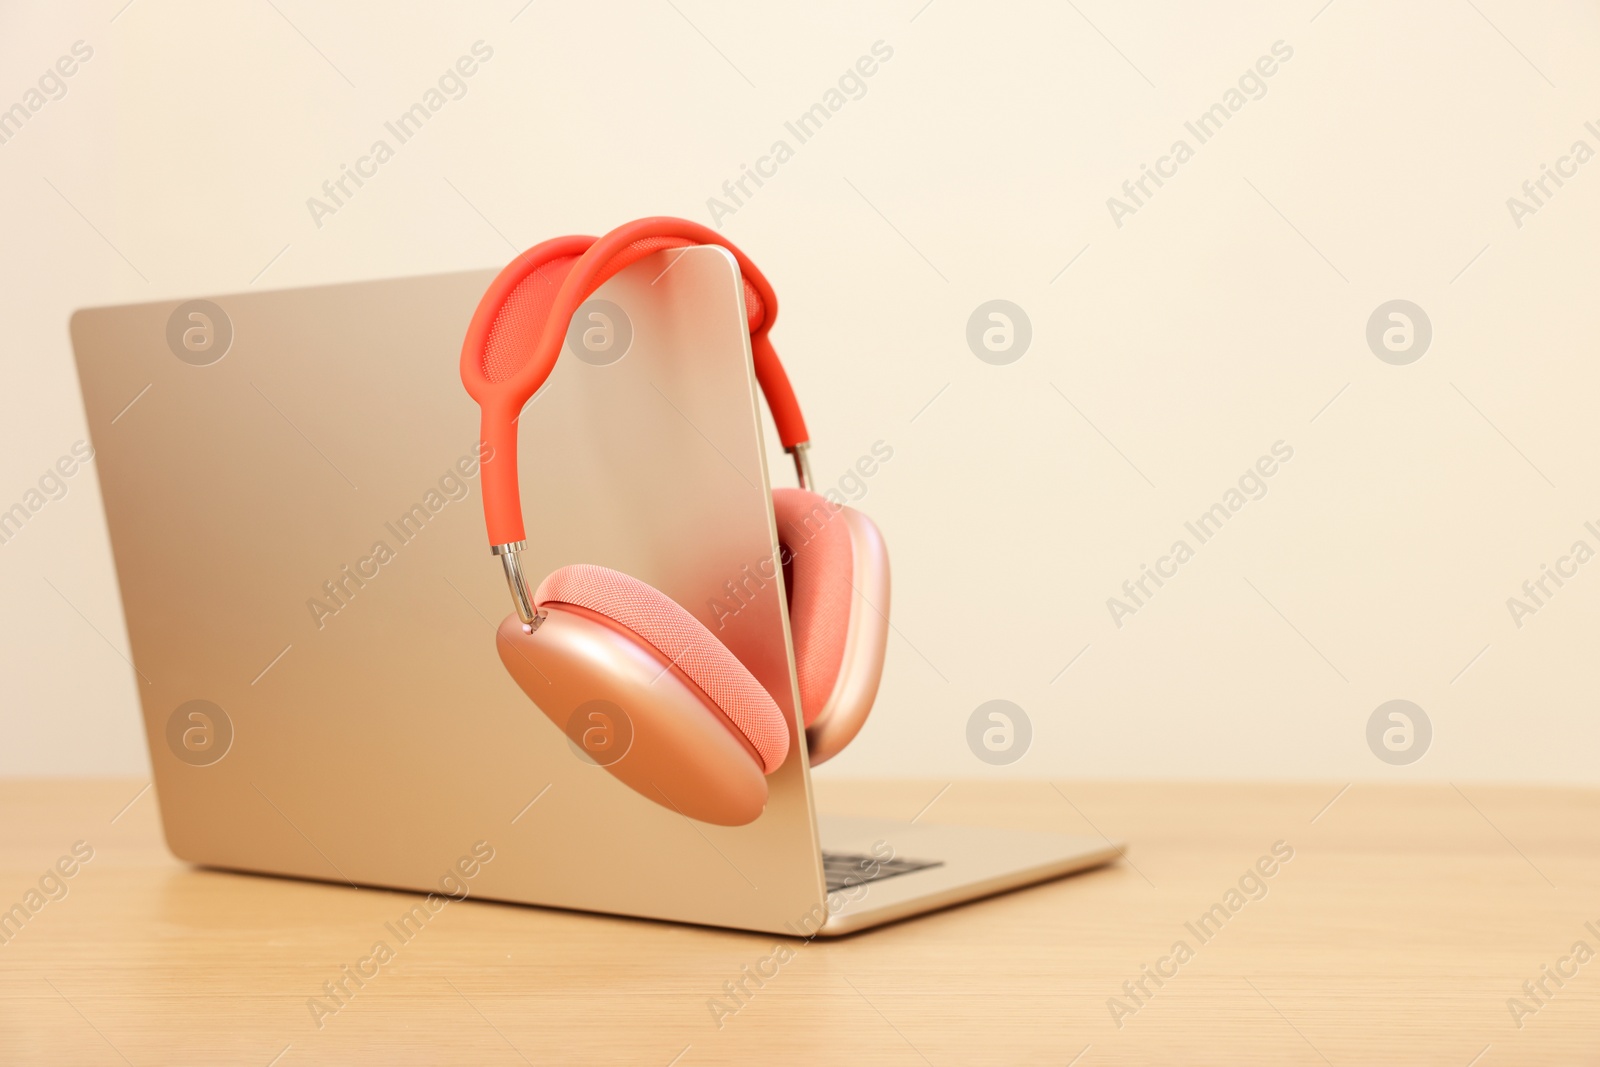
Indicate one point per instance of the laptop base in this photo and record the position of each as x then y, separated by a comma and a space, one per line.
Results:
956, 864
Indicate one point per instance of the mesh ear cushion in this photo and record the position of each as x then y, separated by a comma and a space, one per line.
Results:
662, 623
816, 544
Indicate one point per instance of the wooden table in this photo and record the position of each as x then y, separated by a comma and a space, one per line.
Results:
1406, 920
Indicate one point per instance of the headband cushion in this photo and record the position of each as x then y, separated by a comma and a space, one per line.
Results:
514, 333
518, 323
683, 641
818, 553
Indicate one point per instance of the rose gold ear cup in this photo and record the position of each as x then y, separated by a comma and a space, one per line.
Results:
867, 641
630, 710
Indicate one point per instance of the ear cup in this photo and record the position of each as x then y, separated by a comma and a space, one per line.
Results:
838, 577
640, 687
665, 626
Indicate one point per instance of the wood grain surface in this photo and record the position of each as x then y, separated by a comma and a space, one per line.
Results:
1402, 930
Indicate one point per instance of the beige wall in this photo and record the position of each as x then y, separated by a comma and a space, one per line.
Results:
1225, 314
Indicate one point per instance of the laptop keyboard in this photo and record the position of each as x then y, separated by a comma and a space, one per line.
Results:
846, 869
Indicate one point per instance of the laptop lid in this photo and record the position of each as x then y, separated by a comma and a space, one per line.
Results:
290, 487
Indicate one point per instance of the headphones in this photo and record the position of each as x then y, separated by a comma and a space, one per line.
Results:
699, 733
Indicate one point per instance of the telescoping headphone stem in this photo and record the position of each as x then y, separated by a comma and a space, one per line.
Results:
802, 464
512, 564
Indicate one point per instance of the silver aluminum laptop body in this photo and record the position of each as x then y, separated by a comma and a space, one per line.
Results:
290, 489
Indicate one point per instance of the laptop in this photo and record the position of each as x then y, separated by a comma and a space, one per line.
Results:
290, 485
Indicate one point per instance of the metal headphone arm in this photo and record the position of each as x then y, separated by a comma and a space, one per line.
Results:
512, 565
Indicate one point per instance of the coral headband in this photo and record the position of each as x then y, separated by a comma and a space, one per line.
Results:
521, 324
